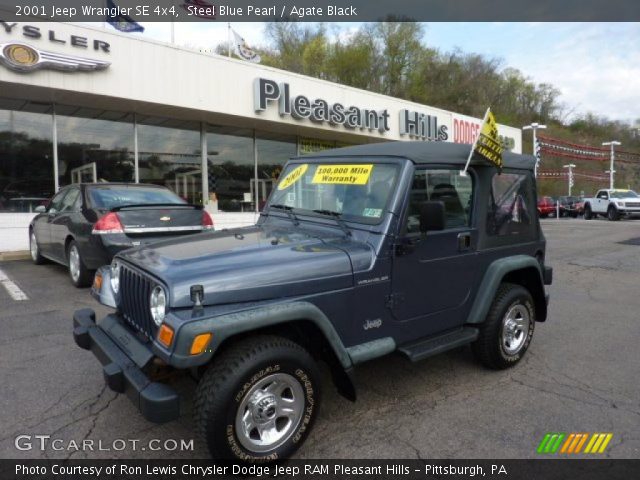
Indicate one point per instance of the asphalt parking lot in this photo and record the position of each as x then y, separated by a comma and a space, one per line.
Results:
580, 374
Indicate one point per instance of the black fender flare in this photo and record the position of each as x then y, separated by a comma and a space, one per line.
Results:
494, 276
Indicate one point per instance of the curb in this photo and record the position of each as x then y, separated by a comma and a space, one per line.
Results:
17, 255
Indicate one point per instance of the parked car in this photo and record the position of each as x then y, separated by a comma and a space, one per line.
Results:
546, 207
85, 225
612, 203
359, 252
570, 206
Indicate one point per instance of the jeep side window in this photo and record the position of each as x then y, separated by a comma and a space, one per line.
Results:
447, 186
510, 204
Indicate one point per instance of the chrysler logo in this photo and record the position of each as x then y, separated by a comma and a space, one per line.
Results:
24, 58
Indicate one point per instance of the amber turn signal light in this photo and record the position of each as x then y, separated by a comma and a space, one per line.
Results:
165, 335
200, 343
97, 281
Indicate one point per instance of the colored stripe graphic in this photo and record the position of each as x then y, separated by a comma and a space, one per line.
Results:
551, 442
572, 443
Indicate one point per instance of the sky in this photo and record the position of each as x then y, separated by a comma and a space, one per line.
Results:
596, 66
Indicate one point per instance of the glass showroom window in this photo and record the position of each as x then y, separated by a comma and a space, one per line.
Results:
169, 154
273, 152
94, 145
231, 166
26, 162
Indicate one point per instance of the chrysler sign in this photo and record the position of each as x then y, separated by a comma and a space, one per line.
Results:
23, 57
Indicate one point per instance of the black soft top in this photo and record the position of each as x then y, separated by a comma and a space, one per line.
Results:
423, 153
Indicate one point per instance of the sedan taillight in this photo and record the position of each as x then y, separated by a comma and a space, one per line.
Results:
110, 223
207, 221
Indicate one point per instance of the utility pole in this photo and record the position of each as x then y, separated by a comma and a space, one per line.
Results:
534, 127
613, 144
571, 166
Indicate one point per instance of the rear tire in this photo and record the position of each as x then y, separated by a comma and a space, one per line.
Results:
612, 214
258, 400
588, 215
34, 249
78, 272
506, 333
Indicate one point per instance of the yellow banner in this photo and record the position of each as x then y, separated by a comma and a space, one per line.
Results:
488, 144
293, 176
343, 174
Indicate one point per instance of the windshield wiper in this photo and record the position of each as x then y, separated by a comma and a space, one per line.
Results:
289, 211
338, 218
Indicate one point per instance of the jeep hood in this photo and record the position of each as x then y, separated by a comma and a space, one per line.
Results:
250, 264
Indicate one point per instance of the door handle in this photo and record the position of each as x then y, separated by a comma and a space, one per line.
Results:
464, 242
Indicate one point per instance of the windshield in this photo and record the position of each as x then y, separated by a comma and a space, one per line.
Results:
112, 196
358, 192
623, 194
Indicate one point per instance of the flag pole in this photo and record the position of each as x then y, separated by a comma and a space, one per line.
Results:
475, 142
229, 39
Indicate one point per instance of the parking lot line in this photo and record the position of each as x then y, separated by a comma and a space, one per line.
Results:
12, 289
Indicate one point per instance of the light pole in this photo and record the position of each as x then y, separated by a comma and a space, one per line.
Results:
534, 127
571, 166
613, 144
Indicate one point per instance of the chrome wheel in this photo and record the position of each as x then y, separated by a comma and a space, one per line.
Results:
270, 412
74, 263
515, 328
33, 247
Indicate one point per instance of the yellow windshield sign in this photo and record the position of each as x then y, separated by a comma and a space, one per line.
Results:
343, 174
293, 176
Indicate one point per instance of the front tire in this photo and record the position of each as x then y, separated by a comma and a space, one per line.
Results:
257, 401
588, 215
507, 331
78, 272
612, 214
34, 249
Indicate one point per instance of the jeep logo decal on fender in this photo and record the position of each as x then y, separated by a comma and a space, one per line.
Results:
23, 58
369, 324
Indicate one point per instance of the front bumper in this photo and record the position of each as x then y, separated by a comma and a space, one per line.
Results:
123, 361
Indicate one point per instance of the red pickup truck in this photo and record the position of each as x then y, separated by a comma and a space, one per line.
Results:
546, 207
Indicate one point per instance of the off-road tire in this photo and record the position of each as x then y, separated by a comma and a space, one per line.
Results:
612, 214
229, 380
84, 276
588, 215
489, 348
34, 249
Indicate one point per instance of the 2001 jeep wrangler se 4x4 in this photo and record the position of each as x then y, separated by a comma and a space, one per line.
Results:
360, 252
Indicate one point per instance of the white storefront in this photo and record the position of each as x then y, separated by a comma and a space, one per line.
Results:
82, 103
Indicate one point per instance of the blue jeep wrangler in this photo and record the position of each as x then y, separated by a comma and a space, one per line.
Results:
360, 252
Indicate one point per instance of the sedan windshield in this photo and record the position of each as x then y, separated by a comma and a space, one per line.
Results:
113, 196
355, 191
623, 194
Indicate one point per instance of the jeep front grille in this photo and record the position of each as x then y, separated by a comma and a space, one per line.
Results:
133, 303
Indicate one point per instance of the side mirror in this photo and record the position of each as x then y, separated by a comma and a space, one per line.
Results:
40, 209
431, 216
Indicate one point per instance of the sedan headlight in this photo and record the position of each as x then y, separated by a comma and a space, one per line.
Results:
115, 276
158, 303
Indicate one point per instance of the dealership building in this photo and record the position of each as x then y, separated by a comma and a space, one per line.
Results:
80, 103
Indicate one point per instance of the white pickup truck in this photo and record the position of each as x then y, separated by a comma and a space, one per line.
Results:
612, 203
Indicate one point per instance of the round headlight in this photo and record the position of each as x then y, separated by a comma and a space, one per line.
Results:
158, 304
115, 276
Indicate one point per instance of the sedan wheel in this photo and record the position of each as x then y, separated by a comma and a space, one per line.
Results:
34, 250
80, 276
